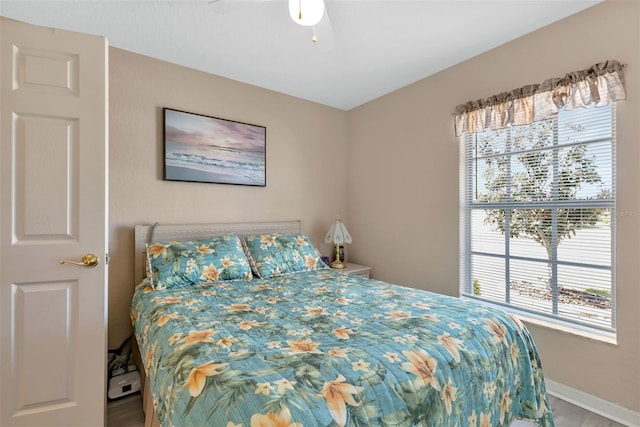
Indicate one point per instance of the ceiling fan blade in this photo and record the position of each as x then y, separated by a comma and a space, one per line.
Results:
323, 34
227, 6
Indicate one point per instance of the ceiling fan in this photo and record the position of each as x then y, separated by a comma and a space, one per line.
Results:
308, 13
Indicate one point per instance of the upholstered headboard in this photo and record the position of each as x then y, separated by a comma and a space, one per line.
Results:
180, 232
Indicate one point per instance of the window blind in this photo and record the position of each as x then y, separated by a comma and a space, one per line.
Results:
538, 216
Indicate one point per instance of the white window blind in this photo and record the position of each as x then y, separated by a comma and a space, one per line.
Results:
538, 216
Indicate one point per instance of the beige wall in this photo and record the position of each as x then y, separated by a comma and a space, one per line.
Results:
399, 189
403, 182
306, 162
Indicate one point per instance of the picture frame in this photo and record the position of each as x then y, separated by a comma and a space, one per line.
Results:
200, 148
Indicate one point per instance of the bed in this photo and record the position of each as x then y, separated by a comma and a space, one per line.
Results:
295, 343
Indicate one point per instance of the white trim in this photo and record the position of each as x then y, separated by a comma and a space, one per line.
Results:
593, 404
558, 325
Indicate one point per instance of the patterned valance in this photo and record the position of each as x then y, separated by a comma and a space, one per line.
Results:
598, 85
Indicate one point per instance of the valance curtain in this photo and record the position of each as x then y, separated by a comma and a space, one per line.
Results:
598, 85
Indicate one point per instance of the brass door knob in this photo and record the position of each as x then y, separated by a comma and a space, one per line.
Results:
89, 261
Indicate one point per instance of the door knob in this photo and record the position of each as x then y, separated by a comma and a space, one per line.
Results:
89, 261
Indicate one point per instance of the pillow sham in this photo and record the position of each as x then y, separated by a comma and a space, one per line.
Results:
174, 264
275, 254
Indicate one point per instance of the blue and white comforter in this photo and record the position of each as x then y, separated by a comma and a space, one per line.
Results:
321, 348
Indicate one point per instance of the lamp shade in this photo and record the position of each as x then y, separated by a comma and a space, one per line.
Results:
338, 234
306, 12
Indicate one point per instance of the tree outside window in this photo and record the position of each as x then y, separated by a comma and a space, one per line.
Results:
545, 184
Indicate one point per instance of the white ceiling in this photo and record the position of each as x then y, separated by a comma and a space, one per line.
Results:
380, 45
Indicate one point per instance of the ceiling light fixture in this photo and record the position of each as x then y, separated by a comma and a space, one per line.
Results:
306, 12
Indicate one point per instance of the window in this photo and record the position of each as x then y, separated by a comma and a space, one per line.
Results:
538, 216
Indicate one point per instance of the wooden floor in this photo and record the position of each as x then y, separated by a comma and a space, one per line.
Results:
127, 412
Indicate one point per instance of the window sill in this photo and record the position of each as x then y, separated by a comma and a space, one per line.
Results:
568, 328
556, 325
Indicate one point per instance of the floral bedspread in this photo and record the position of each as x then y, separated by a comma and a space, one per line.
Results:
321, 348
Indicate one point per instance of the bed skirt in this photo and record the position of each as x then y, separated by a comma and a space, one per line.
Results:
150, 417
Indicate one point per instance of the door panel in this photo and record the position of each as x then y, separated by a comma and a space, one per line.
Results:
47, 343
46, 71
46, 168
53, 191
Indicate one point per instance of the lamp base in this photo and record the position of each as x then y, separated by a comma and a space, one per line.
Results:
338, 264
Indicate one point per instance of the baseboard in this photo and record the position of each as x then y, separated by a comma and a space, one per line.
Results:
593, 404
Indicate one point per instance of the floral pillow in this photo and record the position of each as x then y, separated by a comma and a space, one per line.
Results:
275, 254
174, 264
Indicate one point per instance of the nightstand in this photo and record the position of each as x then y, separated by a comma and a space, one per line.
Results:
358, 269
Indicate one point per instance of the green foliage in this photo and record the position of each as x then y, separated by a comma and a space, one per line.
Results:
374, 376
601, 292
533, 179
476, 287
364, 415
307, 371
401, 418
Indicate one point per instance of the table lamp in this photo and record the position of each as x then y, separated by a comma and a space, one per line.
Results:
338, 235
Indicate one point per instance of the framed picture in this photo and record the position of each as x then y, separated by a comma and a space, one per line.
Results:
200, 148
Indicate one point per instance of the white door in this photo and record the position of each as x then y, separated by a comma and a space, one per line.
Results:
53, 206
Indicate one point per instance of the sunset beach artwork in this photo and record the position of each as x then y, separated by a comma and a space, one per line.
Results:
200, 148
